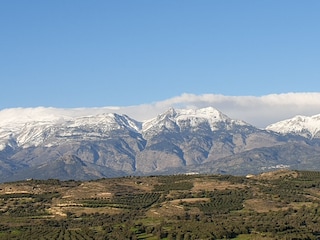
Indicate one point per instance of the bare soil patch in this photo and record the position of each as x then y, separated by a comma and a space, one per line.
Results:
278, 174
211, 185
261, 205
189, 200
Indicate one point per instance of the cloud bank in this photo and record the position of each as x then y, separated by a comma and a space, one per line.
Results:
259, 111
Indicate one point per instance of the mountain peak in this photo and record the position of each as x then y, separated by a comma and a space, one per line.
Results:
170, 113
182, 118
208, 113
299, 125
93, 143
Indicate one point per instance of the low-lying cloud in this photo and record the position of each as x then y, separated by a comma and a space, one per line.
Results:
259, 111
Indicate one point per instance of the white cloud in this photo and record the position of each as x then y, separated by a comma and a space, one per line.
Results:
258, 111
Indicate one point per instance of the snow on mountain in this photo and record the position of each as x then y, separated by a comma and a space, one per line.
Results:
171, 142
14, 118
26, 127
88, 127
184, 118
105, 122
308, 127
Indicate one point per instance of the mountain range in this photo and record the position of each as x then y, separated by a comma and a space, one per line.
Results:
44, 143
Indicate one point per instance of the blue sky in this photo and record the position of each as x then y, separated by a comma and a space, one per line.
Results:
80, 53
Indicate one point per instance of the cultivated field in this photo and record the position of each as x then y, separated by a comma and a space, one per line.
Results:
276, 205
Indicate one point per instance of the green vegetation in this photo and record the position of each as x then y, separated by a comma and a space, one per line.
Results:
132, 201
278, 205
223, 201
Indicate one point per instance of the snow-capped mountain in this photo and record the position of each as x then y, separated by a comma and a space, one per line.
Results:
308, 127
190, 118
40, 142
47, 127
34, 134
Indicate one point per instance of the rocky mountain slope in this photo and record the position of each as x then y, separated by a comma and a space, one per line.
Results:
46, 143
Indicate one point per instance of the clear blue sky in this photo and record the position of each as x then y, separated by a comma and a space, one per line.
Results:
80, 53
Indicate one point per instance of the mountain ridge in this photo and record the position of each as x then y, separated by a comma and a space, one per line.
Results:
176, 141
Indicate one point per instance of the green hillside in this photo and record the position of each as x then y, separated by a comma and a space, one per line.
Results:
276, 205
